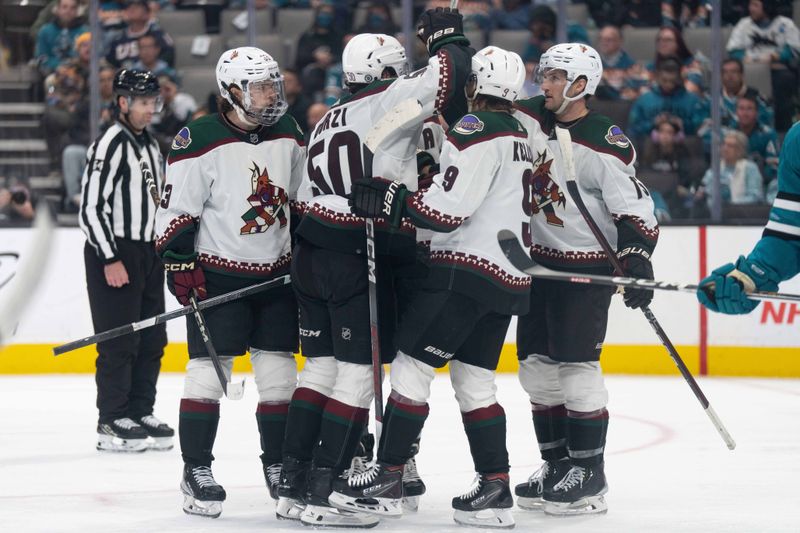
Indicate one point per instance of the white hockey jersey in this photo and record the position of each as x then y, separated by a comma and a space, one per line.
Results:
781, 36
433, 136
228, 193
336, 156
483, 187
606, 178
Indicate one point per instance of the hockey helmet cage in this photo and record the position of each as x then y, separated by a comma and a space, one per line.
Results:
259, 78
367, 55
576, 59
499, 73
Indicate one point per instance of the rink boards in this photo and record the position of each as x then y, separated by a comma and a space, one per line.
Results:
764, 343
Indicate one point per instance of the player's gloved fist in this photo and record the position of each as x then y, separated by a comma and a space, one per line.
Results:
378, 197
636, 264
725, 290
184, 276
425, 180
437, 27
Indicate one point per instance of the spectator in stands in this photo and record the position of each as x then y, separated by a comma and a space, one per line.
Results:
49, 14
618, 66
543, 33
322, 42
477, 13
314, 115
379, 19
124, 50
149, 53
670, 43
298, 103
685, 13
510, 14
176, 112
638, 13
16, 204
766, 37
762, 138
63, 96
55, 42
733, 88
740, 179
667, 94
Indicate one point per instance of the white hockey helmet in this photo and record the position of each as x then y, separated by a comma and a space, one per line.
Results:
576, 59
498, 73
258, 76
367, 55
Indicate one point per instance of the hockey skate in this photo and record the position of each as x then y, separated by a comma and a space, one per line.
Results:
121, 435
487, 504
292, 489
159, 433
413, 486
202, 495
529, 495
377, 490
579, 492
320, 513
272, 475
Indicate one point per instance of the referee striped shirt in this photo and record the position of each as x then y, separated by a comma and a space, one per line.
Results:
115, 202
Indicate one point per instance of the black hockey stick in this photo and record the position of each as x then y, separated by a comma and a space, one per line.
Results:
565, 143
522, 261
169, 315
234, 391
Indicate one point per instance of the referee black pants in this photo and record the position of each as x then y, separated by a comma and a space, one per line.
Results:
128, 366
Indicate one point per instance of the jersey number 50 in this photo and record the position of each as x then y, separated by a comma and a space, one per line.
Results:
335, 182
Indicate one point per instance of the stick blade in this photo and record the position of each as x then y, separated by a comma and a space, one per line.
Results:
397, 117
514, 251
235, 391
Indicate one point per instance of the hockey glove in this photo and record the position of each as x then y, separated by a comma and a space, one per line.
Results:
437, 27
636, 264
184, 275
424, 181
725, 290
378, 197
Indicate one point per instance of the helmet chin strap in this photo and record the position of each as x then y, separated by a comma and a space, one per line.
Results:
243, 116
568, 99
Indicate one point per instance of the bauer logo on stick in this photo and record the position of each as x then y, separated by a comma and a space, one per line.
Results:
617, 137
182, 140
469, 125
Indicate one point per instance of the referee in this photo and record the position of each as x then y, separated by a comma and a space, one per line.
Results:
124, 276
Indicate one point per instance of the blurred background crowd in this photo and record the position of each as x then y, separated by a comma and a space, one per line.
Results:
656, 81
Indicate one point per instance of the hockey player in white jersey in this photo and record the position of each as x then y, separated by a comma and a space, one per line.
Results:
461, 311
329, 410
223, 224
560, 340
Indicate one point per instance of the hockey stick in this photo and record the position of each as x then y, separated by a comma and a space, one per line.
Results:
234, 391
169, 315
565, 143
397, 117
518, 257
30, 268
15, 257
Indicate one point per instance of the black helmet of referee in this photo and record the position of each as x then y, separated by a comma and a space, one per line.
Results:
130, 82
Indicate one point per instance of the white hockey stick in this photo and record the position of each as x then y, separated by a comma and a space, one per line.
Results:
565, 144
29, 273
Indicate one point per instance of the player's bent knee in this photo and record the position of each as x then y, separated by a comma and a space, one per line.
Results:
584, 387
319, 374
474, 386
201, 381
275, 374
538, 375
411, 378
353, 384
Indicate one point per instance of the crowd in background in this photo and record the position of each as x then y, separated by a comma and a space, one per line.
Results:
666, 99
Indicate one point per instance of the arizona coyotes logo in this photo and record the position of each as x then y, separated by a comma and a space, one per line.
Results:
381, 40
268, 202
234, 54
545, 193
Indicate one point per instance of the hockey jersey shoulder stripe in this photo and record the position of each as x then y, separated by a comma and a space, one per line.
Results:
174, 158
482, 126
462, 144
373, 88
444, 92
286, 128
598, 133
199, 137
533, 107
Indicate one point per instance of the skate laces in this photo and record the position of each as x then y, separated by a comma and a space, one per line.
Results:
538, 476
474, 489
573, 477
360, 479
126, 423
274, 473
202, 476
151, 421
410, 473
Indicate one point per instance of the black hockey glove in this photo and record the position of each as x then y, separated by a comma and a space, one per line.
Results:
636, 264
378, 197
437, 27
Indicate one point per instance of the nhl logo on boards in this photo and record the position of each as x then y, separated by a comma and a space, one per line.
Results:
617, 137
469, 125
182, 140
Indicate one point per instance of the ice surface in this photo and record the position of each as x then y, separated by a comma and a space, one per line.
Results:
667, 468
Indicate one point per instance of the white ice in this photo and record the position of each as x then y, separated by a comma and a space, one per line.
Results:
667, 468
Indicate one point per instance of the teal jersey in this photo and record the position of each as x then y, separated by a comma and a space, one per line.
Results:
778, 251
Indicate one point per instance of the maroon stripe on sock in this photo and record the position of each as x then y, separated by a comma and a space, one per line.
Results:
552, 410
347, 412
600, 414
484, 413
270, 408
416, 410
195, 406
311, 396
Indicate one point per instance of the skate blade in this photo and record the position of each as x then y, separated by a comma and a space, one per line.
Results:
331, 517
288, 508
159, 444
388, 507
530, 504
584, 506
235, 391
486, 518
410, 503
110, 443
205, 509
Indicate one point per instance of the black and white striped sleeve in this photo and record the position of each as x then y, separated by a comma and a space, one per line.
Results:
97, 190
